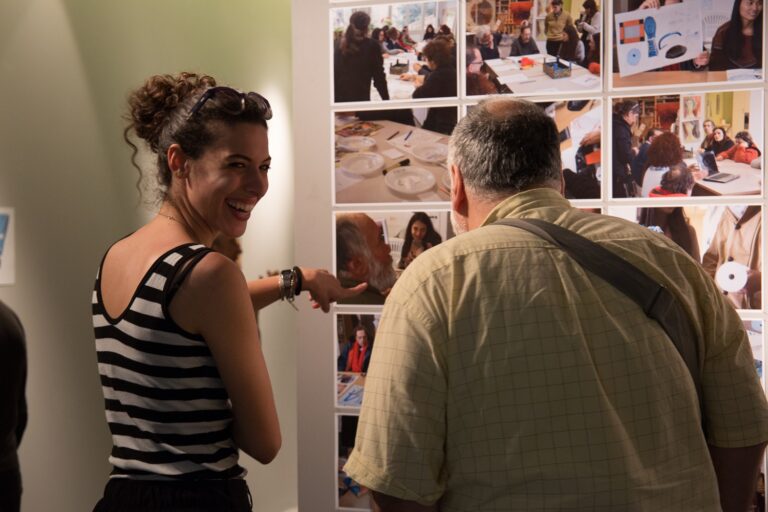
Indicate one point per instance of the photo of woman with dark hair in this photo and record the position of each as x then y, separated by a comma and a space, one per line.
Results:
738, 43
720, 141
358, 61
429, 32
420, 235
743, 150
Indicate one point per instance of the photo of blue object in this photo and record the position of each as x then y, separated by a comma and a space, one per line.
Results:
650, 30
4, 220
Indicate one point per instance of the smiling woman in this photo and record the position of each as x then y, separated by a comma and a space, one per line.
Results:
180, 360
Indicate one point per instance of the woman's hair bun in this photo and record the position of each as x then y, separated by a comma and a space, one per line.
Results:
151, 105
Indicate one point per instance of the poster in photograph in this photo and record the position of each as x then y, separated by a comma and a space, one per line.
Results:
7, 247
579, 123
356, 335
696, 41
394, 51
725, 239
375, 247
392, 156
674, 145
532, 48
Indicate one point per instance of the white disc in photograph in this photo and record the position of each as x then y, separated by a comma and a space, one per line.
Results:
409, 180
732, 276
362, 164
430, 152
356, 143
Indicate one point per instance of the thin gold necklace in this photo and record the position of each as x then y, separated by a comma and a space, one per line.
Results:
171, 217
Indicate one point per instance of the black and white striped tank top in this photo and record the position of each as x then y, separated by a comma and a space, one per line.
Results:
166, 405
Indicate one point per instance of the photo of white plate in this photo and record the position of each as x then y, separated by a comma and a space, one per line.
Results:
362, 164
409, 180
430, 152
356, 143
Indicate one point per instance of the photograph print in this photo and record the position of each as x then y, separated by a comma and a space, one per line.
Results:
726, 239
392, 156
531, 48
394, 51
696, 144
375, 247
666, 42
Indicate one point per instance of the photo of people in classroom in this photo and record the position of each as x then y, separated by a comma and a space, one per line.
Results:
702, 144
532, 47
394, 52
664, 42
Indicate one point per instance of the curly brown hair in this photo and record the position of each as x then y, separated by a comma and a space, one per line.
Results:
158, 114
664, 151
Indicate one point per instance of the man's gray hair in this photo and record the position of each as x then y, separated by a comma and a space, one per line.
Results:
350, 243
506, 145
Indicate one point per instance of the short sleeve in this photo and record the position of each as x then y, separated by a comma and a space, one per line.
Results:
399, 449
735, 407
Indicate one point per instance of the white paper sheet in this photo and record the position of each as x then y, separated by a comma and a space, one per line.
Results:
646, 39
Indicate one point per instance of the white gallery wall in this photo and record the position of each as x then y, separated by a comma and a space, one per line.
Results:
67, 67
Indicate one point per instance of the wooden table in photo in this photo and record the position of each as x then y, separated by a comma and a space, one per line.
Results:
652, 78
359, 189
511, 79
398, 89
749, 182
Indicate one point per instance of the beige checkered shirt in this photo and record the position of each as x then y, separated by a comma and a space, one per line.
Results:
505, 377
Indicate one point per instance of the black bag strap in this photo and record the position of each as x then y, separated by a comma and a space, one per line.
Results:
656, 301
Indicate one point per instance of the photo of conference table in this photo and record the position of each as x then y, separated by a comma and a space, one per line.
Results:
508, 75
749, 181
398, 89
395, 142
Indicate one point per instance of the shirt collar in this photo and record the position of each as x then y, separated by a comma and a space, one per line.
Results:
526, 201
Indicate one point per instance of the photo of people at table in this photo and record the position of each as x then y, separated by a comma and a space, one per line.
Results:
394, 52
355, 338
725, 239
392, 156
678, 145
375, 247
661, 42
536, 47
351, 495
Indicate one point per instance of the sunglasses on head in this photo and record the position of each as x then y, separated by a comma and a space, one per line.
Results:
232, 101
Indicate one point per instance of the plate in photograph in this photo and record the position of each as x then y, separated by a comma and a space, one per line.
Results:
356, 143
362, 164
409, 180
430, 152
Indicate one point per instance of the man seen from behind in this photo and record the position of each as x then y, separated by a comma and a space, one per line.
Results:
507, 377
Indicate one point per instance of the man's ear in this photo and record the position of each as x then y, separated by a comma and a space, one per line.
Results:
458, 192
177, 161
357, 268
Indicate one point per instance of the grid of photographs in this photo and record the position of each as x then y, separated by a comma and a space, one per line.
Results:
676, 87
